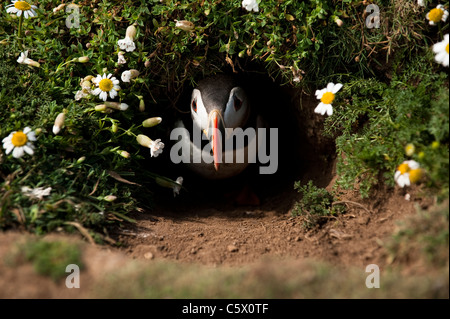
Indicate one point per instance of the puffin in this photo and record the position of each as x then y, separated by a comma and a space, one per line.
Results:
220, 107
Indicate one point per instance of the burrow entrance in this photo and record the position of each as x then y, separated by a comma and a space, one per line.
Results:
303, 153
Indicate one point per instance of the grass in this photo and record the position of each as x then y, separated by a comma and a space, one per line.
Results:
49, 258
394, 94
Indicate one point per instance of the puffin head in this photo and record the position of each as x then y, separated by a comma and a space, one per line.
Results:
217, 103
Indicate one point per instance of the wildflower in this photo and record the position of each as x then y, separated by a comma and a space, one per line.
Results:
150, 122
409, 149
106, 84
441, 50
82, 59
339, 22
124, 154
437, 14
121, 58
37, 193
59, 8
177, 186
250, 5
421, 3
128, 75
19, 7
19, 142
23, 59
85, 88
110, 198
326, 97
184, 25
127, 43
155, 147
59, 123
421, 155
408, 172
117, 106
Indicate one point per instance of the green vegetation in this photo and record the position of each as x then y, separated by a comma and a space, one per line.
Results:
423, 236
49, 258
316, 205
393, 94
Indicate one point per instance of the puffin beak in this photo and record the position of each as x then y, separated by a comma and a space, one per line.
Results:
216, 139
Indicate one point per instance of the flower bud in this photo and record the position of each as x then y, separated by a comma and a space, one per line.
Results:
124, 154
147, 63
410, 149
184, 25
117, 105
150, 122
144, 140
88, 78
81, 159
141, 105
131, 32
110, 198
435, 145
339, 22
59, 8
83, 59
59, 123
100, 108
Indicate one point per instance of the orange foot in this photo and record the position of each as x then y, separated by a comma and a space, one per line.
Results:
247, 197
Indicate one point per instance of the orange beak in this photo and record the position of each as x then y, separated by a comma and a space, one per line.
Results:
215, 139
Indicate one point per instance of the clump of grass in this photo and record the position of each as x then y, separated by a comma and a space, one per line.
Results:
424, 236
316, 205
49, 258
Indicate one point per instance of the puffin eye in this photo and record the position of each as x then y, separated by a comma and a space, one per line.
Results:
194, 105
237, 103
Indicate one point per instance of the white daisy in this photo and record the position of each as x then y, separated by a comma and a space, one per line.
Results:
19, 142
19, 7
437, 14
250, 5
106, 84
23, 59
441, 50
408, 172
156, 147
177, 187
326, 97
127, 43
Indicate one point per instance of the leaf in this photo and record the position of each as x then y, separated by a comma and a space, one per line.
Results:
121, 179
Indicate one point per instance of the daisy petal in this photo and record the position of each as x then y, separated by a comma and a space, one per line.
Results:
336, 88
28, 149
18, 152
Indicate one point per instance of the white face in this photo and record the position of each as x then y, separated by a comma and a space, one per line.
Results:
198, 111
236, 110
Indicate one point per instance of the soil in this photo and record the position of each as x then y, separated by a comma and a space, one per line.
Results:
206, 224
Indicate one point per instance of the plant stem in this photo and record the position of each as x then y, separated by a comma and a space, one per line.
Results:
19, 32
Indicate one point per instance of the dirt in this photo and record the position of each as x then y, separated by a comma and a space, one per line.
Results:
204, 225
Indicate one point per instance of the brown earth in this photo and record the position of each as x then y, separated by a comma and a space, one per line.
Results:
204, 225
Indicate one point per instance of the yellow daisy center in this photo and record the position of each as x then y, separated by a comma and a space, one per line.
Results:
105, 85
415, 175
446, 48
22, 5
435, 15
403, 168
19, 139
327, 98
